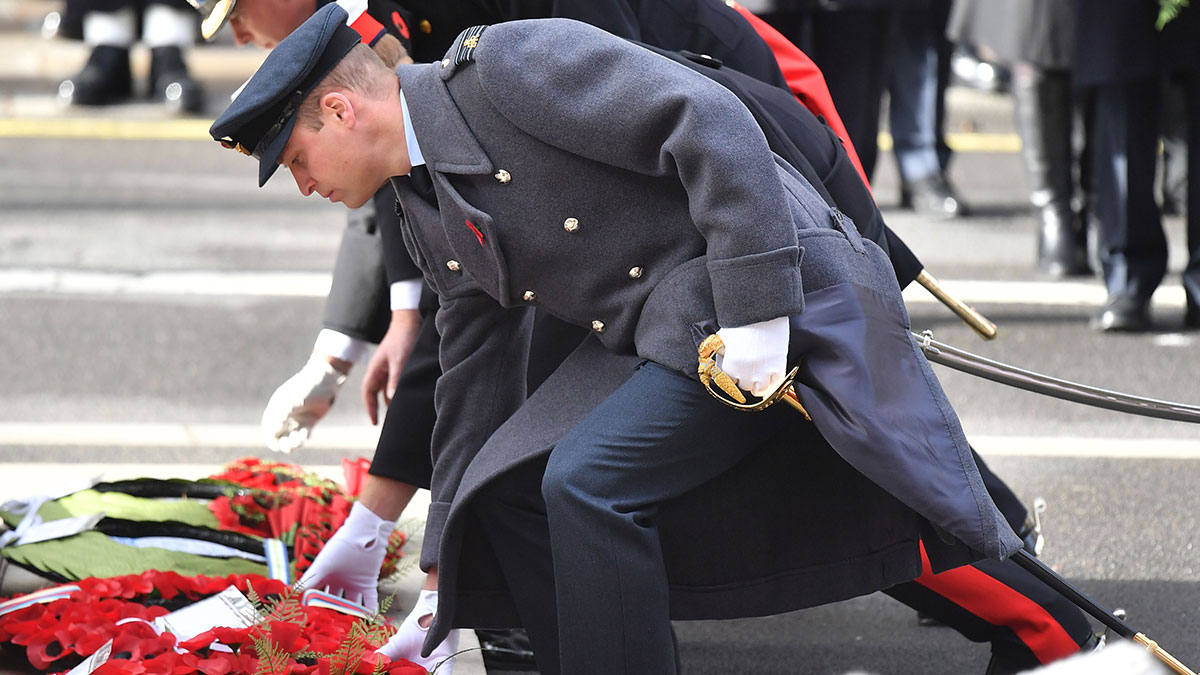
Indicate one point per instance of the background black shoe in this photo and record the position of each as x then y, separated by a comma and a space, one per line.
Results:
1123, 313
105, 79
932, 197
1062, 243
171, 83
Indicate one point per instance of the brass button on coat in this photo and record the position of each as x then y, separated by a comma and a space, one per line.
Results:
503, 176
528, 296
571, 224
425, 26
635, 273
598, 326
453, 265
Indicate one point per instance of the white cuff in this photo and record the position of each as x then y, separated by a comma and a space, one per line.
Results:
339, 345
169, 27
407, 294
114, 29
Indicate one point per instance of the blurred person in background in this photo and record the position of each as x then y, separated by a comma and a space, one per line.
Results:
852, 43
917, 111
1121, 56
1036, 39
110, 28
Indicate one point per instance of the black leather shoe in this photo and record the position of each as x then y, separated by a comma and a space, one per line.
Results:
171, 83
506, 649
932, 197
105, 79
1125, 314
1062, 244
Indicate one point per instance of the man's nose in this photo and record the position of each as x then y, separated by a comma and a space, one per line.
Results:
303, 181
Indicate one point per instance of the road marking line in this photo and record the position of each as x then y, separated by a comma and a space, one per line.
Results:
316, 285
105, 129
1071, 293
361, 438
296, 284
969, 142
99, 128
358, 438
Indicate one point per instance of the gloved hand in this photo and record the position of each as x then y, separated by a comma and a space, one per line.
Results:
755, 354
299, 403
349, 563
406, 643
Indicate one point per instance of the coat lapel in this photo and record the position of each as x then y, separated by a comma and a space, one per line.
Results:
450, 148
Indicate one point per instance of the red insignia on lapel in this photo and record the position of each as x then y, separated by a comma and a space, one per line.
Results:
478, 234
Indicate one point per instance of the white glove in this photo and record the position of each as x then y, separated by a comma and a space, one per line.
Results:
406, 643
755, 355
300, 403
348, 565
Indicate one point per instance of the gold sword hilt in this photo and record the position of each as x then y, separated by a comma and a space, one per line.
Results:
730, 394
1162, 655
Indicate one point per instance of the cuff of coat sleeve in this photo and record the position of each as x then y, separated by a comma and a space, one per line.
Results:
435, 522
339, 345
406, 294
758, 287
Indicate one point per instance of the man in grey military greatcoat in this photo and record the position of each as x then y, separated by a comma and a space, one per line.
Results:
553, 165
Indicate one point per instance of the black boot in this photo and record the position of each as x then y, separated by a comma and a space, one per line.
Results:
171, 83
105, 79
1042, 113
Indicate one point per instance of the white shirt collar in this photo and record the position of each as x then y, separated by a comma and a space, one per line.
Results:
415, 158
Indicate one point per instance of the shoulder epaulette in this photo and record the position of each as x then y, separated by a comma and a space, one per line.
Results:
465, 44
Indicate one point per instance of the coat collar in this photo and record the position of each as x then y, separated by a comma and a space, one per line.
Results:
447, 143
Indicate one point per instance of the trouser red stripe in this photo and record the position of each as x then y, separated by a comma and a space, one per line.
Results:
999, 604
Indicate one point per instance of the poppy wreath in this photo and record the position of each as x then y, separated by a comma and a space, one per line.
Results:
291, 639
282, 501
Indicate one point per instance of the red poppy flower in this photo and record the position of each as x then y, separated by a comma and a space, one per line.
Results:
404, 667
43, 650
218, 663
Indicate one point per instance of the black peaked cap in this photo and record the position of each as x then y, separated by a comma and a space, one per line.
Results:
260, 120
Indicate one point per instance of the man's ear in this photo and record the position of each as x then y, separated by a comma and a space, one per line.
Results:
337, 108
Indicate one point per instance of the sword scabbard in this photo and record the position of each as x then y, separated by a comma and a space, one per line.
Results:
978, 322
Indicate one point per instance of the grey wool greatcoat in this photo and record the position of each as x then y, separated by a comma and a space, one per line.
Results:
615, 189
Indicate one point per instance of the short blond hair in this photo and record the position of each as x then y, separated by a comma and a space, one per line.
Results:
391, 51
360, 71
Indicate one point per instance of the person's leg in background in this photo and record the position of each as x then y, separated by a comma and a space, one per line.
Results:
108, 29
1133, 248
1043, 111
1191, 274
169, 30
1174, 139
915, 113
852, 47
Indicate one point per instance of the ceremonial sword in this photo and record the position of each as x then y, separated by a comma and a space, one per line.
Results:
711, 375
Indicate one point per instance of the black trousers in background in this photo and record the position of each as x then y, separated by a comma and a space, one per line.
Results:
1133, 247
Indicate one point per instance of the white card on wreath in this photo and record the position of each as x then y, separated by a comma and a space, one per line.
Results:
227, 609
94, 661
